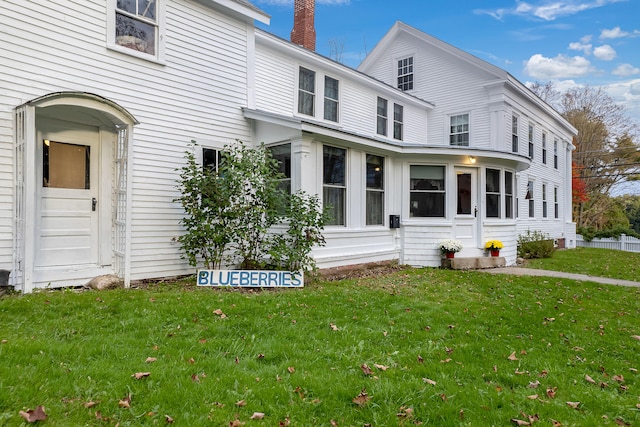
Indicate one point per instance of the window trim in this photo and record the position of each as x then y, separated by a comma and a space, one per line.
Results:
515, 125
344, 186
467, 132
544, 148
556, 204
555, 154
327, 99
313, 94
508, 197
408, 77
530, 196
544, 200
381, 191
160, 55
498, 193
444, 192
398, 125
382, 117
531, 135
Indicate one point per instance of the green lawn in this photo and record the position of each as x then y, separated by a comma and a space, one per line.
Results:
592, 261
441, 348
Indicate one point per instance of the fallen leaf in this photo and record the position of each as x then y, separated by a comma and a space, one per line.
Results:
532, 397
333, 327
219, 312
444, 397
195, 378
556, 423
512, 356
235, 423
33, 415
534, 384
362, 399
365, 369
520, 422
90, 404
618, 378
381, 367
150, 360
140, 375
461, 414
573, 405
191, 360
589, 379
637, 337
125, 402
241, 403
257, 416
428, 381
260, 356
285, 422
420, 359
168, 419
622, 422
551, 392
543, 374
405, 412
291, 369
447, 360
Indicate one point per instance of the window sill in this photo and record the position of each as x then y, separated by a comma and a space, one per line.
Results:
140, 55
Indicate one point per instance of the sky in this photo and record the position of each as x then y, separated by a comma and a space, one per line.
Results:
568, 42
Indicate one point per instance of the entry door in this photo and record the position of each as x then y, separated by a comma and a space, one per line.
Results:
67, 221
466, 209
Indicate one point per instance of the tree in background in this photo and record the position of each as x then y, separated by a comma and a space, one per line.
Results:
607, 151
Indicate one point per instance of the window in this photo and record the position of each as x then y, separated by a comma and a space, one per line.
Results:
330, 99
210, 159
427, 194
493, 193
282, 154
544, 148
375, 190
398, 117
508, 194
334, 185
531, 141
459, 130
136, 25
405, 73
382, 116
529, 197
544, 200
514, 134
556, 205
306, 92
66, 165
555, 154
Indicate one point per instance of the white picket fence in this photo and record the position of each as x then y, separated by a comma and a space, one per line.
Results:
624, 243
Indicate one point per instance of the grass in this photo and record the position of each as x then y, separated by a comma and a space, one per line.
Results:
593, 261
444, 348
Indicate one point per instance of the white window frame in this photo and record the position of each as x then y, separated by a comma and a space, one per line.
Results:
544, 148
160, 51
398, 122
555, 154
515, 141
544, 200
556, 204
405, 71
466, 131
531, 144
443, 191
530, 197
329, 100
300, 90
380, 117
339, 186
374, 190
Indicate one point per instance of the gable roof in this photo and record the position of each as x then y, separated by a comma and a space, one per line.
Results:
501, 75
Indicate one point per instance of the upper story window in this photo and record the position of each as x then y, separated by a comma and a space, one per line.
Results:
529, 197
530, 141
427, 191
136, 25
375, 190
334, 184
282, 154
514, 134
544, 148
330, 99
306, 91
555, 154
405, 73
459, 130
382, 115
398, 119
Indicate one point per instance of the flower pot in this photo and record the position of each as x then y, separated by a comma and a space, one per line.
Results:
495, 252
450, 254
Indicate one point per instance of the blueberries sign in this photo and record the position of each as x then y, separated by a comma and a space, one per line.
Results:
251, 279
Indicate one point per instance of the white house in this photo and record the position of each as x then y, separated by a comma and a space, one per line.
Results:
100, 98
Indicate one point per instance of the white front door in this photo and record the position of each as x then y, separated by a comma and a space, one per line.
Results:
467, 209
67, 229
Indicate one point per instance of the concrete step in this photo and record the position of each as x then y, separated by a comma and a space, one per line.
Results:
473, 263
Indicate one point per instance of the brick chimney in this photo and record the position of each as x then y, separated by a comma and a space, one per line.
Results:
304, 31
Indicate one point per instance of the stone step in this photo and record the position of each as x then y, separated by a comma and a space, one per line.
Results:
473, 263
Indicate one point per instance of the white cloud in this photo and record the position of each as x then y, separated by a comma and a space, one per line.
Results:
625, 70
617, 33
547, 10
604, 52
584, 47
560, 67
628, 95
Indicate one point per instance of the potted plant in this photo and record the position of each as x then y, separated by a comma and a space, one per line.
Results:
494, 247
449, 247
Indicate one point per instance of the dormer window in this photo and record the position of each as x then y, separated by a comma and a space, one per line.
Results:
405, 73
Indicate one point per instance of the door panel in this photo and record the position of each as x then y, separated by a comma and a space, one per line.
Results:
67, 221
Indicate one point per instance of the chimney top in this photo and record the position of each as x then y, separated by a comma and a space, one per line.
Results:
304, 32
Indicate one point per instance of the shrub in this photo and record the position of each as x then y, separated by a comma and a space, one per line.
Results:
535, 244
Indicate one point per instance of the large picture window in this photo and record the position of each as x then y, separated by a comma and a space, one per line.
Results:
493, 193
334, 185
427, 191
375, 190
459, 130
306, 92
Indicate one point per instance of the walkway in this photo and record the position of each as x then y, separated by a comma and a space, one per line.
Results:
520, 271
